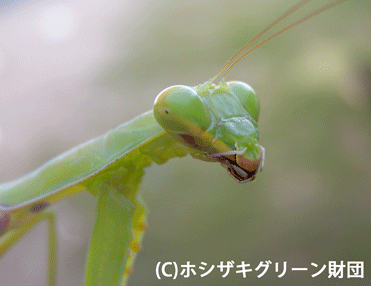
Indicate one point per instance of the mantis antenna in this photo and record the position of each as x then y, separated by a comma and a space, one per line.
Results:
279, 19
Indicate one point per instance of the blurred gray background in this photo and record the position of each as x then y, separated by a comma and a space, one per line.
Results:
72, 70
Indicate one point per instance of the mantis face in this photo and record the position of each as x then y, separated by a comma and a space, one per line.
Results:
218, 122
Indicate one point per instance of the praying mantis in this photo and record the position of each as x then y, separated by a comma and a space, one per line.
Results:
32, 204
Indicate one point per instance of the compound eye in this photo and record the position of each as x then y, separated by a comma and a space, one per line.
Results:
247, 97
180, 109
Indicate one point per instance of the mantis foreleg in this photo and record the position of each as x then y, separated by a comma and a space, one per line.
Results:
112, 235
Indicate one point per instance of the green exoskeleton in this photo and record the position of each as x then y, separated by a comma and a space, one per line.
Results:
215, 123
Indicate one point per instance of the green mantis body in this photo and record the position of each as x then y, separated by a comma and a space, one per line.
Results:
211, 123
113, 173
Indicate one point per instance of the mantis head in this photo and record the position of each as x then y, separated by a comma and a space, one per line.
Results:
218, 122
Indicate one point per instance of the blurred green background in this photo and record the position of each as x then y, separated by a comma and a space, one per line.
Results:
72, 70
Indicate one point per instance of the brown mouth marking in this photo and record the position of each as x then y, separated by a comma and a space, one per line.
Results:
240, 174
240, 168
